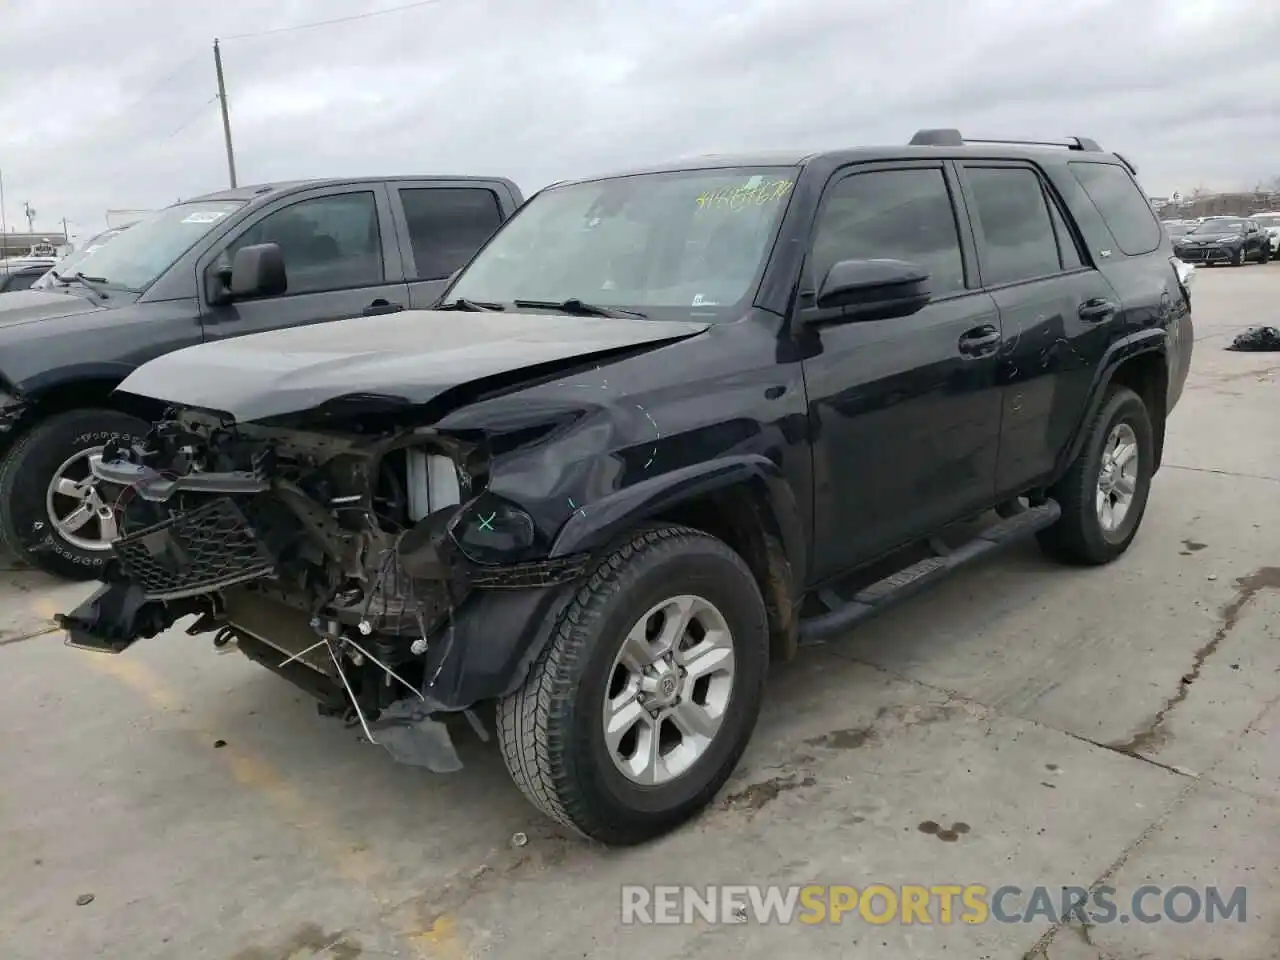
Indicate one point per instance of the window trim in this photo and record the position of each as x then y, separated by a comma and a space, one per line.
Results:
806, 288
1159, 235
411, 259
1047, 195
213, 254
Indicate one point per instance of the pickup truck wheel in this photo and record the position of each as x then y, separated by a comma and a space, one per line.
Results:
54, 514
640, 706
1104, 494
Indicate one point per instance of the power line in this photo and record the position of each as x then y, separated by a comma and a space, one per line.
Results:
153, 87
186, 123
335, 20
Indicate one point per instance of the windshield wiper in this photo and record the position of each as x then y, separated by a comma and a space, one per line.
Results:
471, 306
577, 308
90, 282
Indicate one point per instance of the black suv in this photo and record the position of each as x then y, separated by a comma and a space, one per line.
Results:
1230, 240
663, 426
342, 248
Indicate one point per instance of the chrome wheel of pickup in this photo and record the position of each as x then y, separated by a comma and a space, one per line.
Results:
75, 504
668, 690
1117, 477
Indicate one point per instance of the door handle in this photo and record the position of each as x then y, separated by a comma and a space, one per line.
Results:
380, 306
979, 341
1097, 309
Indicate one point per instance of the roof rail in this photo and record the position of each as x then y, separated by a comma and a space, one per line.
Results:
946, 137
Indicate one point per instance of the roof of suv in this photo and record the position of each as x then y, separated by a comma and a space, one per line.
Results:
926, 144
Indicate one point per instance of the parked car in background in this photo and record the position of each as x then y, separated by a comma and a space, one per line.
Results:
69, 263
1270, 222
655, 432
1230, 240
21, 273
231, 263
1176, 228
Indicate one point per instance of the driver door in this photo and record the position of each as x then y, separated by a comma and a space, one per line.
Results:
335, 243
905, 412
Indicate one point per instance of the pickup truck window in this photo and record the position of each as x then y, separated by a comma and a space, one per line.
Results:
896, 214
329, 243
1123, 206
675, 242
135, 258
447, 225
1017, 232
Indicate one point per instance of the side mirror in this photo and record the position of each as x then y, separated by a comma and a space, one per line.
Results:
874, 289
257, 271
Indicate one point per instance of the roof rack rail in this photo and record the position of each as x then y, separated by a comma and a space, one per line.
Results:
946, 137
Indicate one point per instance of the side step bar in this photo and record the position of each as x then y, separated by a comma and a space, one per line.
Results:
843, 614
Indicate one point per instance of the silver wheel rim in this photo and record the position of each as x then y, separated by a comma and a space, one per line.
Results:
1117, 477
75, 506
669, 690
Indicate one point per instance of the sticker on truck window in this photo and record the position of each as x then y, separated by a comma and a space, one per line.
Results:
756, 192
204, 216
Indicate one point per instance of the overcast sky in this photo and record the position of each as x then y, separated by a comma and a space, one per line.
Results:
107, 103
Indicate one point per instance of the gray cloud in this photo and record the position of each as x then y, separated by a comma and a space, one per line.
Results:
106, 103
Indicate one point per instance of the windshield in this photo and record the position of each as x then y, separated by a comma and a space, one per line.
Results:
657, 242
1214, 227
134, 258
1268, 219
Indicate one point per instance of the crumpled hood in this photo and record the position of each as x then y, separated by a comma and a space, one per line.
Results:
27, 306
412, 356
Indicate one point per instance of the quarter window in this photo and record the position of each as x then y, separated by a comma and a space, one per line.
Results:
447, 225
891, 214
1018, 241
329, 243
1123, 206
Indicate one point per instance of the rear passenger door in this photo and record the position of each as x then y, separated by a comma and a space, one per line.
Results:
341, 260
1057, 313
441, 225
905, 412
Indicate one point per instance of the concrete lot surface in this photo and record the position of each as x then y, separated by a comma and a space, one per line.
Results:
1022, 724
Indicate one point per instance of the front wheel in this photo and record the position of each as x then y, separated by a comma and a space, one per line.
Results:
1237, 260
54, 514
640, 706
1104, 494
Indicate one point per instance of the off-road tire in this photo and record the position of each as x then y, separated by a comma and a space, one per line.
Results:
551, 730
1077, 537
26, 529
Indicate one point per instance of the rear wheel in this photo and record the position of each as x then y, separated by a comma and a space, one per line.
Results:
1104, 494
54, 514
640, 706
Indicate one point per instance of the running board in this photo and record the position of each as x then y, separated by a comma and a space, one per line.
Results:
843, 614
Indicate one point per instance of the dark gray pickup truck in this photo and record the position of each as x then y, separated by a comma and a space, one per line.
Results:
237, 262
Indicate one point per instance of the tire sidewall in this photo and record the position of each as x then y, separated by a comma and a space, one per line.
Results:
1127, 407
27, 472
714, 576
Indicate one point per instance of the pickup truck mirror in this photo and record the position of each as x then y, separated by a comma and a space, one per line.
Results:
875, 289
257, 271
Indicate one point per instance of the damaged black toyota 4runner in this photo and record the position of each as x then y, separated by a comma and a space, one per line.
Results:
657, 431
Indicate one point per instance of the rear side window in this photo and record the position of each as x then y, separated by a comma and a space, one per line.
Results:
1018, 241
1122, 205
447, 225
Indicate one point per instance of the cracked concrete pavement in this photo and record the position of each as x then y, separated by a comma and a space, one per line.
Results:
1021, 724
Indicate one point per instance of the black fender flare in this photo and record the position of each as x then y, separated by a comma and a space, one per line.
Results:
605, 519
1153, 340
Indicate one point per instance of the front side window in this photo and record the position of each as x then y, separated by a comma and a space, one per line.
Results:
328, 243
447, 225
676, 243
135, 259
1123, 207
1017, 231
895, 215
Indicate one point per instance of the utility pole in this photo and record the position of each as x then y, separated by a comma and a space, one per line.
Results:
226, 117
31, 216
66, 237
4, 224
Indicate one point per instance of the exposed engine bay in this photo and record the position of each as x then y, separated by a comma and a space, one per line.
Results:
342, 562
